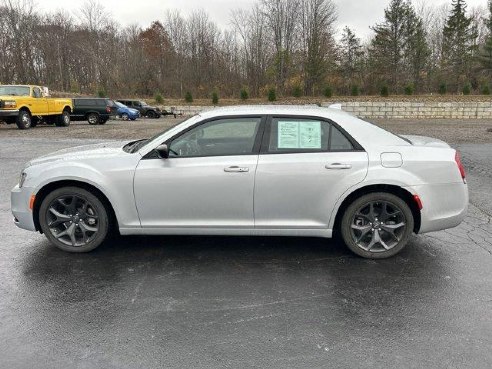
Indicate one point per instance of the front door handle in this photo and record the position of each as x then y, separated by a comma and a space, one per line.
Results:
236, 169
338, 166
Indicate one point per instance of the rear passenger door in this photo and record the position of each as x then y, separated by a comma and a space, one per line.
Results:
304, 167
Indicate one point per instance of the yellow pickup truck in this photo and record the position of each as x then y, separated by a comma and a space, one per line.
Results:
27, 105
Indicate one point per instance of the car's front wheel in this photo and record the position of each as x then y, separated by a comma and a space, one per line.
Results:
377, 225
24, 120
73, 219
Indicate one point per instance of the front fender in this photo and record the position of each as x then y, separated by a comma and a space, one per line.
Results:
116, 183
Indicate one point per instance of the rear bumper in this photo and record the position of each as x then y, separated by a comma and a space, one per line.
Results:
19, 203
444, 205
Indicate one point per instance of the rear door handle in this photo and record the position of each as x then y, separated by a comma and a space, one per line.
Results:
338, 166
236, 169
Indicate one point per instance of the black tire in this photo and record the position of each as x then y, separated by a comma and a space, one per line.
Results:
151, 114
93, 118
77, 222
125, 116
103, 120
63, 120
24, 120
401, 215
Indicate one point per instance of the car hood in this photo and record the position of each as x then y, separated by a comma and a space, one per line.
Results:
101, 150
425, 141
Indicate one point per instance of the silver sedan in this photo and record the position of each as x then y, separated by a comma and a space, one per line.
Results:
277, 171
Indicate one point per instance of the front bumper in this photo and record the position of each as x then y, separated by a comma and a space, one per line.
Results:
19, 203
8, 113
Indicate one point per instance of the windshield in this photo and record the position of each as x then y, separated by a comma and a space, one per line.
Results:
143, 103
15, 91
134, 146
119, 105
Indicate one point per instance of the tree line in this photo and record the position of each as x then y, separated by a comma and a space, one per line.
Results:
288, 47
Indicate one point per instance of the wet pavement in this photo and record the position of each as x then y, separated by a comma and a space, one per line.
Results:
241, 302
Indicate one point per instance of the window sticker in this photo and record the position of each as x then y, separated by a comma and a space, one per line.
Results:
299, 135
310, 135
288, 135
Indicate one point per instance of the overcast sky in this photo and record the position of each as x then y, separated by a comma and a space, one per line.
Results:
357, 14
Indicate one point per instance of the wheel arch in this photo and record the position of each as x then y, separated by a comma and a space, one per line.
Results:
50, 187
25, 108
388, 188
67, 108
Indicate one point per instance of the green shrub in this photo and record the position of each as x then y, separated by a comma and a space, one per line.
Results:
244, 94
215, 98
385, 91
297, 91
101, 93
354, 90
272, 94
328, 92
486, 90
466, 89
158, 98
188, 97
409, 90
443, 89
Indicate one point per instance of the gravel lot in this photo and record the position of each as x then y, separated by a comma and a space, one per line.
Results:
243, 302
452, 131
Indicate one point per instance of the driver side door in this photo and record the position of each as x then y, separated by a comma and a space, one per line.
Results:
208, 180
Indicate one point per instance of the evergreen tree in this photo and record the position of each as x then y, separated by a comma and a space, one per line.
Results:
459, 36
399, 51
351, 57
485, 55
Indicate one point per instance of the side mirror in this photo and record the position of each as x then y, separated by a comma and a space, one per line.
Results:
162, 151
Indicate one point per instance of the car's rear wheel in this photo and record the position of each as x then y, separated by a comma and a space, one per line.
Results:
73, 219
151, 114
377, 225
63, 120
93, 118
103, 120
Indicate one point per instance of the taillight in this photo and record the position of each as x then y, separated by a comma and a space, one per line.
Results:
108, 109
461, 168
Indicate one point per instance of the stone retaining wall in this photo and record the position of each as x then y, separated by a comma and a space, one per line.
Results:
420, 110
395, 110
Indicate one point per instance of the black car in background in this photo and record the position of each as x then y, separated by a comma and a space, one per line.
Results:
144, 109
94, 110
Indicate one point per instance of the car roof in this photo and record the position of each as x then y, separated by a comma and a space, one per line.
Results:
300, 110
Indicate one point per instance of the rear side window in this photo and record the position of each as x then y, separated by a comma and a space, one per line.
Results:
338, 141
291, 135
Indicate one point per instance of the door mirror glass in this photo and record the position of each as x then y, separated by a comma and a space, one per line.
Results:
162, 151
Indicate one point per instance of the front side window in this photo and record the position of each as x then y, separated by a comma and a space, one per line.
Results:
36, 92
291, 135
222, 137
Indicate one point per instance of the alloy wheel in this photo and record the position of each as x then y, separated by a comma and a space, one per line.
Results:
72, 220
378, 226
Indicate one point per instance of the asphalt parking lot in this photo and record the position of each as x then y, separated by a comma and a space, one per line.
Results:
241, 302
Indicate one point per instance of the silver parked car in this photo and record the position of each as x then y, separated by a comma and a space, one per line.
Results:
290, 171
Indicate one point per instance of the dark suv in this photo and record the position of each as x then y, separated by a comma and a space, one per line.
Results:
144, 109
94, 110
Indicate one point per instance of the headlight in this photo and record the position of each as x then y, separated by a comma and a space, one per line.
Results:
9, 104
22, 179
